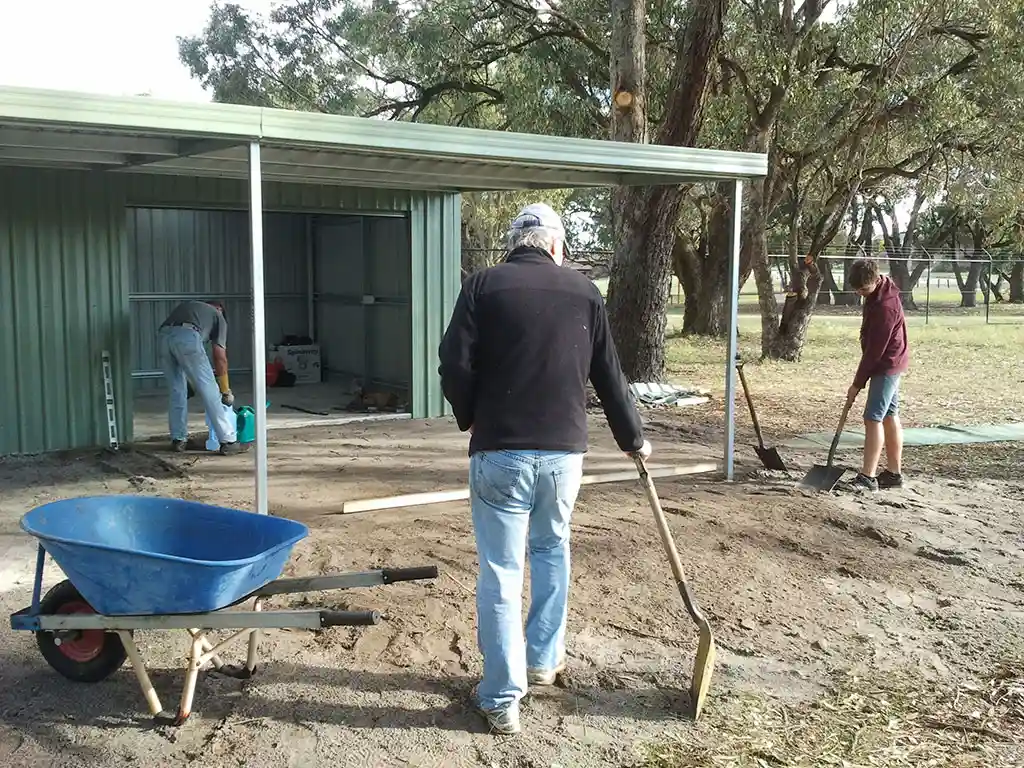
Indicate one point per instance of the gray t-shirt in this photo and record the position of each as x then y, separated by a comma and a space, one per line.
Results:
208, 319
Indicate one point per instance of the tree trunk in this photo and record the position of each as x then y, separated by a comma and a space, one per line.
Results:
645, 218
969, 292
710, 301
637, 299
1017, 283
829, 292
899, 270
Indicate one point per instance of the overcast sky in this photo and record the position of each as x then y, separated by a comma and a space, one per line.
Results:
117, 47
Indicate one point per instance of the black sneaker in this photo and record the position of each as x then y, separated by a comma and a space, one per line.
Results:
887, 479
232, 449
179, 446
864, 483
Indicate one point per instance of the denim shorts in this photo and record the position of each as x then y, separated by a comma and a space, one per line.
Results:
883, 397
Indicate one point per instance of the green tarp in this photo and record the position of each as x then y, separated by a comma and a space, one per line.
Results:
978, 433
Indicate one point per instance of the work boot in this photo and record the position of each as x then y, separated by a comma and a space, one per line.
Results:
541, 677
179, 446
232, 449
864, 483
887, 479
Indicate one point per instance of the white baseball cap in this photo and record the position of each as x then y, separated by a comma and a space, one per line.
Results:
541, 216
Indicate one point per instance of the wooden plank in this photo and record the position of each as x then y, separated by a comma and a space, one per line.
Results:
460, 494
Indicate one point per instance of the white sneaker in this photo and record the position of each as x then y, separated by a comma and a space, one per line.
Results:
504, 722
545, 676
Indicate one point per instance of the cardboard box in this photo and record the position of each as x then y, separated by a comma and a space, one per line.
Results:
301, 360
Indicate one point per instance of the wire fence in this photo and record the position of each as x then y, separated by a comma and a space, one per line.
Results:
933, 282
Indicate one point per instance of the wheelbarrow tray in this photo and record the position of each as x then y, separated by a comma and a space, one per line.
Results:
152, 556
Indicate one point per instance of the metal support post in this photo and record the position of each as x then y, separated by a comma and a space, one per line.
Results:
259, 324
310, 281
734, 310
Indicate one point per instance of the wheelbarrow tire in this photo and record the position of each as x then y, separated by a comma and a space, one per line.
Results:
91, 657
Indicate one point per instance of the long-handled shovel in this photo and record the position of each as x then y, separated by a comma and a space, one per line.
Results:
824, 477
705, 662
768, 456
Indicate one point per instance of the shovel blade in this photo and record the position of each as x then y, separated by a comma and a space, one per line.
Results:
703, 667
770, 458
822, 477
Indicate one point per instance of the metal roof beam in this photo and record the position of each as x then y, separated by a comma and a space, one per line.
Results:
27, 138
58, 158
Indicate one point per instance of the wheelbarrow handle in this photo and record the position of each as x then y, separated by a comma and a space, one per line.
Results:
349, 618
391, 575
667, 541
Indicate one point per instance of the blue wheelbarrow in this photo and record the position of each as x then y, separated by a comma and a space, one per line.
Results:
137, 563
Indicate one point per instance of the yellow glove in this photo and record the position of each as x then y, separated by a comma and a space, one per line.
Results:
222, 382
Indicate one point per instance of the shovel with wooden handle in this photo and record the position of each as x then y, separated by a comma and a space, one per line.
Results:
769, 456
824, 477
705, 662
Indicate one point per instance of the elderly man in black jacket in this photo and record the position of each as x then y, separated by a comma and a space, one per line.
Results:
523, 340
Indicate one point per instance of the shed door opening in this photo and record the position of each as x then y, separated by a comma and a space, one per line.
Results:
342, 282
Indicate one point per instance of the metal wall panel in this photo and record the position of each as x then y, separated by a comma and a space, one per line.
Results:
339, 277
64, 289
63, 300
436, 278
202, 254
362, 279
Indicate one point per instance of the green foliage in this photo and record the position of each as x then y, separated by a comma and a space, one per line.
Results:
868, 97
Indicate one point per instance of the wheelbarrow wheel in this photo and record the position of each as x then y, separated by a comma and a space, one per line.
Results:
86, 655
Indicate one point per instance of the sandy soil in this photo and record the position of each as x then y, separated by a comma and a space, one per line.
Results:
925, 581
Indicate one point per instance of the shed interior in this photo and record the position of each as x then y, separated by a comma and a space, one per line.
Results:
339, 281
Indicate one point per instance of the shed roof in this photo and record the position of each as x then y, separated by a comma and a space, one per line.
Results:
137, 134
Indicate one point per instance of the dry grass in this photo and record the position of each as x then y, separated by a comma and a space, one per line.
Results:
892, 721
961, 373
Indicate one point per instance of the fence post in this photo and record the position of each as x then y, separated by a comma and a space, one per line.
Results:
927, 286
988, 285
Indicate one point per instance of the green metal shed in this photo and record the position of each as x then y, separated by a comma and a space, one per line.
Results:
84, 177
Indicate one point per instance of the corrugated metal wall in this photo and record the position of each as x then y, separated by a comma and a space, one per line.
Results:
63, 300
436, 279
363, 284
177, 254
65, 287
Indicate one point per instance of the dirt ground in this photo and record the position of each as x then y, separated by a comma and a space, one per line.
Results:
808, 596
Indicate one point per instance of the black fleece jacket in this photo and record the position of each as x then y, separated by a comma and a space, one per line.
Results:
524, 338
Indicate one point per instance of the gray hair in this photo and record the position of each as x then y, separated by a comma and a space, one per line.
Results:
534, 237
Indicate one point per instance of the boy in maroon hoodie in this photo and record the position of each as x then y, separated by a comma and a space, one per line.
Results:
884, 358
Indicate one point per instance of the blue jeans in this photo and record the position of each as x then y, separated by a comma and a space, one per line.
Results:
184, 359
520, 500
883, 398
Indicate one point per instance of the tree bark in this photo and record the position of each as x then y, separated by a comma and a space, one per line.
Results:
1017, 283
900, 273
829, 292
645, 218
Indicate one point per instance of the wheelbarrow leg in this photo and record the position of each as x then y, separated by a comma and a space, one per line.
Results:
195, 661
214, 659
139, 667
254, 642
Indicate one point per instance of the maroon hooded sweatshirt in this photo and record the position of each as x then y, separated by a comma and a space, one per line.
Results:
883, 334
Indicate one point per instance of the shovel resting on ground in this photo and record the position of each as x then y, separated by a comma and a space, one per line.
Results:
705, 662
769, 456
824, 477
